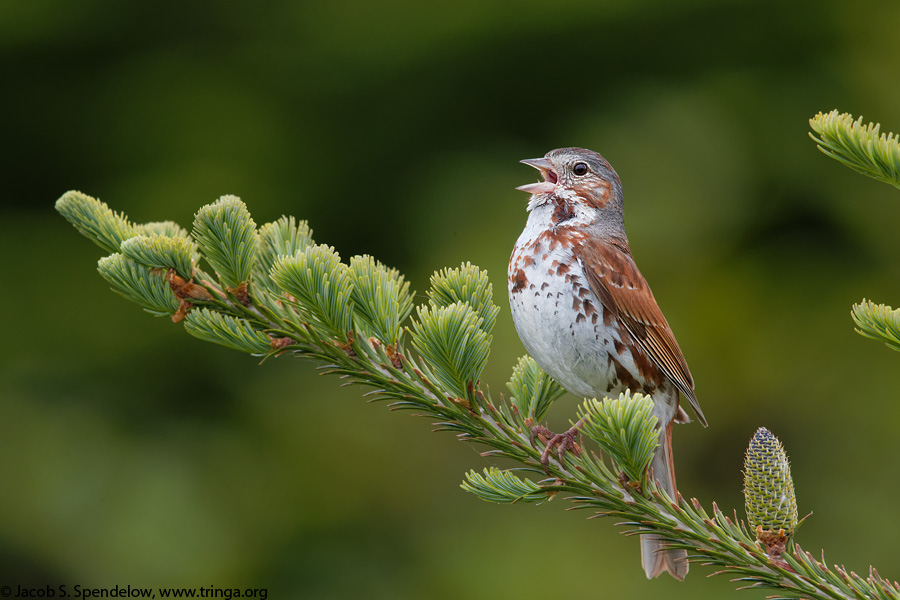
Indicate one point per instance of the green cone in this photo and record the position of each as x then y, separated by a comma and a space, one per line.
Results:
768, 487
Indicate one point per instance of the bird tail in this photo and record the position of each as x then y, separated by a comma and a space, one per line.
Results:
655, 556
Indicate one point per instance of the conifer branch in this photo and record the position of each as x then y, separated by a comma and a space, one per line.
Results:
863, 148
877, 321
866, 150
275, 292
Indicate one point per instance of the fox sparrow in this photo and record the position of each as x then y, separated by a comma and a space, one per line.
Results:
587, 316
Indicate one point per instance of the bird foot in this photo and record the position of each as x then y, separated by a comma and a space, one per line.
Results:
561, 441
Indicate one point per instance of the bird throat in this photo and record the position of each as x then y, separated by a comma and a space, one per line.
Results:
562, 211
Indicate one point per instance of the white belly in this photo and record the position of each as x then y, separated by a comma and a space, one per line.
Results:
560, 321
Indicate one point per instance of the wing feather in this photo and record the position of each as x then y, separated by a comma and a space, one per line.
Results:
615, 279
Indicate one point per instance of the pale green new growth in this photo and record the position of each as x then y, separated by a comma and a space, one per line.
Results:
501, 486
228, 331
864, 149
768, 486
878, 322
168, 229
624, 428
468, 284
533, 391
453, 342
161, 252
94, 220
860, 147
376, 298
284, 237
164, 228
138, 283
226, 235
318, 282
405, 297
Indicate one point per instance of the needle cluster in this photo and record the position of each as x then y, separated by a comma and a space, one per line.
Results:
866, 150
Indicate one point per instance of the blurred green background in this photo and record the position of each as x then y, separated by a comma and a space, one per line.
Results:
134, 454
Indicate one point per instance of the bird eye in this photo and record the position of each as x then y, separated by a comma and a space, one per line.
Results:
580, 169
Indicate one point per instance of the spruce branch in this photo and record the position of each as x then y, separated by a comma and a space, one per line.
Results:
878, 322
161, 252
94, 220
226, 330
226, 235
503, 487
861, 147
465, 284
284, 237
453, 342
316, 283
866, 150
309, 304
139, 283
624, 428
380, 296
533, 391
163, 228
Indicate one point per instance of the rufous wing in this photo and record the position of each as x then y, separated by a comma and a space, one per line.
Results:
615, 279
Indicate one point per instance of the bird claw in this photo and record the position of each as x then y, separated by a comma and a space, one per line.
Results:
561, 441
539, 430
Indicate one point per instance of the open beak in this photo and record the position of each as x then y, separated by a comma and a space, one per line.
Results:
543, 187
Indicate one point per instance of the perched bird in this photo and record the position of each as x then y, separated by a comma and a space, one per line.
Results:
587, 316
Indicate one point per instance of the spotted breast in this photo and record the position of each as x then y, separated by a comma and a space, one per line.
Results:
558, 316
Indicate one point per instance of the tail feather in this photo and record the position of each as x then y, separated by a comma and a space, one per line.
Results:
655, 557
